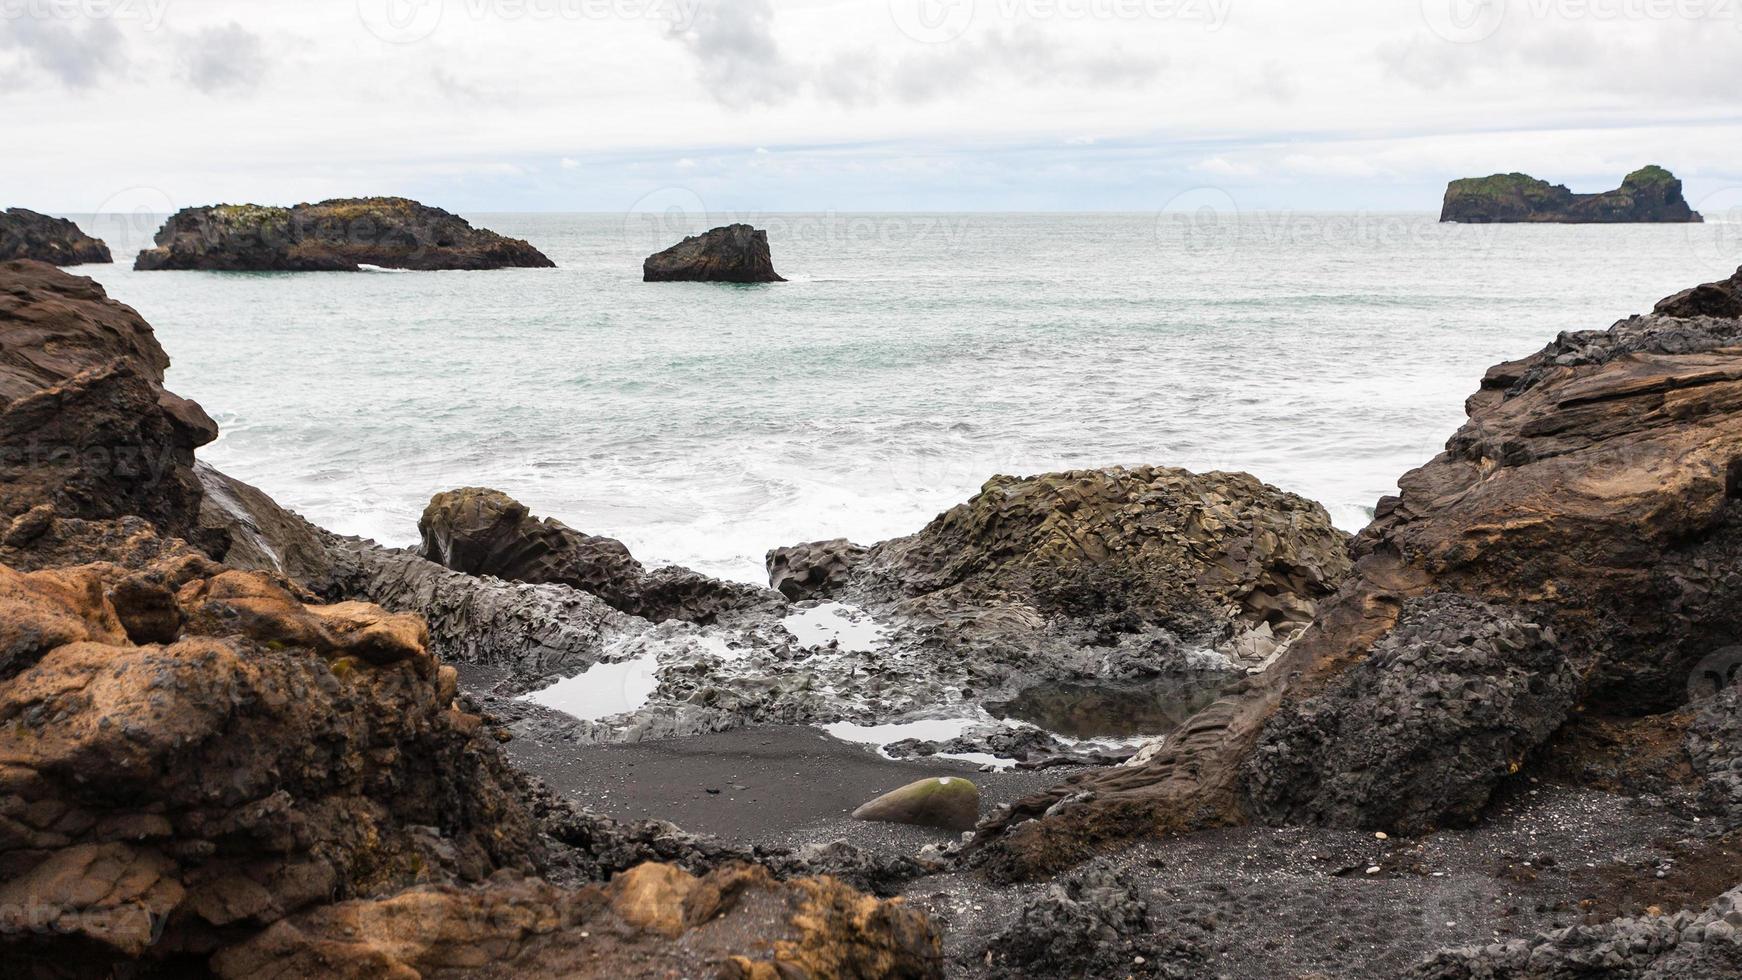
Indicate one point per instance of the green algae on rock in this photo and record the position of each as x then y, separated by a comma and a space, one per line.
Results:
332, 236
1650, 194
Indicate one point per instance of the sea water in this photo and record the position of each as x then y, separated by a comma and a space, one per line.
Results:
909, 358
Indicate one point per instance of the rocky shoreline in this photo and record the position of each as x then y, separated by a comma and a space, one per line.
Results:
1494, 735
57, 241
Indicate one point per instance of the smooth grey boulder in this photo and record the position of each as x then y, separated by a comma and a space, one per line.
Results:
946, 802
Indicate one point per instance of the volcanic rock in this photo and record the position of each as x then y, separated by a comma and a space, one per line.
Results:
85, 423
734, 253
1125, 548
947, 802
1093, 924
57, 241
1651, 194
1716, 299
816, 570
332, 236
486, 532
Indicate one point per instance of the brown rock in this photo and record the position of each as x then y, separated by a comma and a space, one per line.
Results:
57, 241
734, 253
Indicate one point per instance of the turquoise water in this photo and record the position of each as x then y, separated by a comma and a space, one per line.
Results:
910, 358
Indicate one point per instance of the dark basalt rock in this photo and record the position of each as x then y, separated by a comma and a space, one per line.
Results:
57, 241
1715, 299
332, 236
85, 423
1420, 733
816, 570
1652, 194
1095, 924
486, 532
735, 253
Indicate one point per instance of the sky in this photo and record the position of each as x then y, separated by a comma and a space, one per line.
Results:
858, 105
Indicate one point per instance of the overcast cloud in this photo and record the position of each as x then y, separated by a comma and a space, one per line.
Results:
857, 104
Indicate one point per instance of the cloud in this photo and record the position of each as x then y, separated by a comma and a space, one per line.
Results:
77, 56
737, 57
223, 60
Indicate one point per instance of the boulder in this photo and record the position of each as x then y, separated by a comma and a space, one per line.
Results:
1094, 924
947, 802
1202, 555
734, 253
57, 241
486, 532
1420, 733
1595, 492
1651, 194
1716, 299
813, 571
332, 236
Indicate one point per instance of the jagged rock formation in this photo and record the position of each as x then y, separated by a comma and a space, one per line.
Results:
1716, 299
1651, 194
734, 253
85, 423
332, 236
487, 532
1596, 491
57, 241
1419, 733
814, 570
1688, 945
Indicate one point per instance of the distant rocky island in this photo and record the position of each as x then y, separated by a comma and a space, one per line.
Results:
1651, 194
332, 236
734, 253
57, 241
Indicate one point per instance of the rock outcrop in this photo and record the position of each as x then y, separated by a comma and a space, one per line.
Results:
1715, 299
57, 241
1651, 194
734, 253
487, 532
85, 423
655, 920
1203, 556
815, 570
1595, 492
332, 236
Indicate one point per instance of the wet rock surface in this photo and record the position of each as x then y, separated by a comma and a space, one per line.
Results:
332, 236
57, 241
734, 253
486, 532
1651, 194
1097, 922
816, 570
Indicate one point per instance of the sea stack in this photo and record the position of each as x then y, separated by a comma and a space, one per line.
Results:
734, 253
1651, 194
332, 236
57, 241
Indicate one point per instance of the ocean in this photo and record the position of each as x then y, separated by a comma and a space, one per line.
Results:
909, 358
